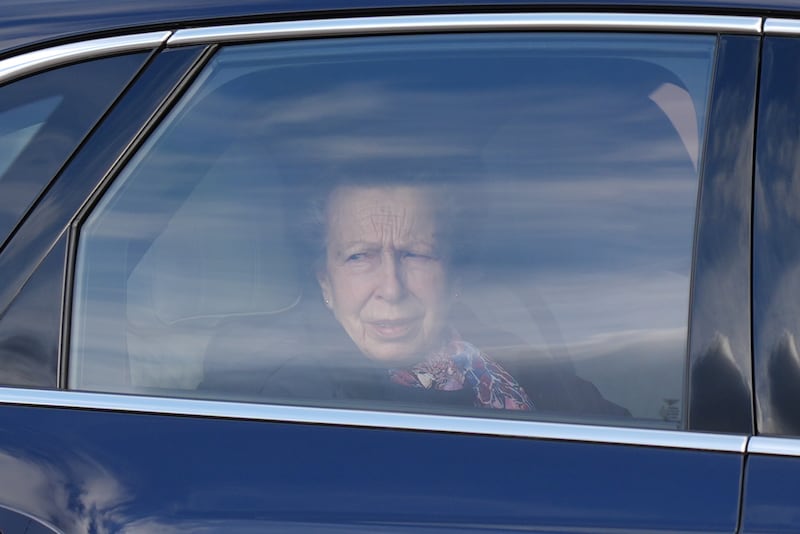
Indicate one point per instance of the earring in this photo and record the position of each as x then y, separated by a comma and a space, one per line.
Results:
327, 302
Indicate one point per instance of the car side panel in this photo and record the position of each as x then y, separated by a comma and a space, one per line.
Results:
770, 497
147, 473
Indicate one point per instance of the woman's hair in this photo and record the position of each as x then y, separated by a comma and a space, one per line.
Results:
458, 200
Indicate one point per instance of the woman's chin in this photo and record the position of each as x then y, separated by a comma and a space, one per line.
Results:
396, 344
393, 356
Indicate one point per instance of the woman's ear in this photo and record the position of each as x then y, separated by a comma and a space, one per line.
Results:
455, 287
325, 286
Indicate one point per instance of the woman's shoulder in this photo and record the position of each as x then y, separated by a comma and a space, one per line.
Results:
555, 387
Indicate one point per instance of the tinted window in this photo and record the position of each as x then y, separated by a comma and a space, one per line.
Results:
43, 118
434, 223
29, 329
19, 125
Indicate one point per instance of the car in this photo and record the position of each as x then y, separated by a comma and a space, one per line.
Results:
399, 266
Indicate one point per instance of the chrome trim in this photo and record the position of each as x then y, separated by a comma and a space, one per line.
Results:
671, 439
31, 62
782, 27
467, 22
774, 446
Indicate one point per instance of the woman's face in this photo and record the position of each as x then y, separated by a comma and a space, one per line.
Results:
385, 278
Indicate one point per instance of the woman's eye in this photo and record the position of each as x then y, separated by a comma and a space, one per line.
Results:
417, 256
358, 257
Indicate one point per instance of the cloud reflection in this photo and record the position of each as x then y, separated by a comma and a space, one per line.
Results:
68, 490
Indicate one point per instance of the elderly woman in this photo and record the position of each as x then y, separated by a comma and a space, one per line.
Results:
386, 277
385, 257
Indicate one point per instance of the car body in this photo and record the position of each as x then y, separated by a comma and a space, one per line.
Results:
627, 169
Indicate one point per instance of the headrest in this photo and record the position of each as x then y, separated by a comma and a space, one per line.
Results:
223, 253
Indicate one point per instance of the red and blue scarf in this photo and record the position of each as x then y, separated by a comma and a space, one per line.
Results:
460, 364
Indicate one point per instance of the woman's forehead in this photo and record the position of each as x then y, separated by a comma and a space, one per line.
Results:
376, 210
381, 202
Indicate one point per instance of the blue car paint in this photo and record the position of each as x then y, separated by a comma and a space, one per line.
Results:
770, 502
119, 471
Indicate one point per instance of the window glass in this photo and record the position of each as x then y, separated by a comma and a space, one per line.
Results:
29, 329
492, 224
43, 119
19, 125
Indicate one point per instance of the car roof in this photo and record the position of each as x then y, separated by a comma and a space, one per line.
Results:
28, 24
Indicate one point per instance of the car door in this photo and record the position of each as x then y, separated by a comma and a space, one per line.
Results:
594, 195
772, 455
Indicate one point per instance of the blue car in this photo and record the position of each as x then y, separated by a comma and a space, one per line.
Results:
399, 266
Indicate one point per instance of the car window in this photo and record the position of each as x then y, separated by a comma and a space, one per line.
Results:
491, 224
43, 119
19, 125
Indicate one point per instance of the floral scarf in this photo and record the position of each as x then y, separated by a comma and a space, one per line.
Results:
460, 364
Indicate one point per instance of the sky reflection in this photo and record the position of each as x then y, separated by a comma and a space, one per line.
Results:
580, 186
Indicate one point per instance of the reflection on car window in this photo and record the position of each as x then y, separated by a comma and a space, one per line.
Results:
497, 224
19, 125
43, 119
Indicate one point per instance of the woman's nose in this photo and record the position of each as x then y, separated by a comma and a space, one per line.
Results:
391, 286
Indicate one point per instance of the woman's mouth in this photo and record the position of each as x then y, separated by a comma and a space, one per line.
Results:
394, 329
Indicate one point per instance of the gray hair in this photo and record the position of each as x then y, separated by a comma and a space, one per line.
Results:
460, 207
